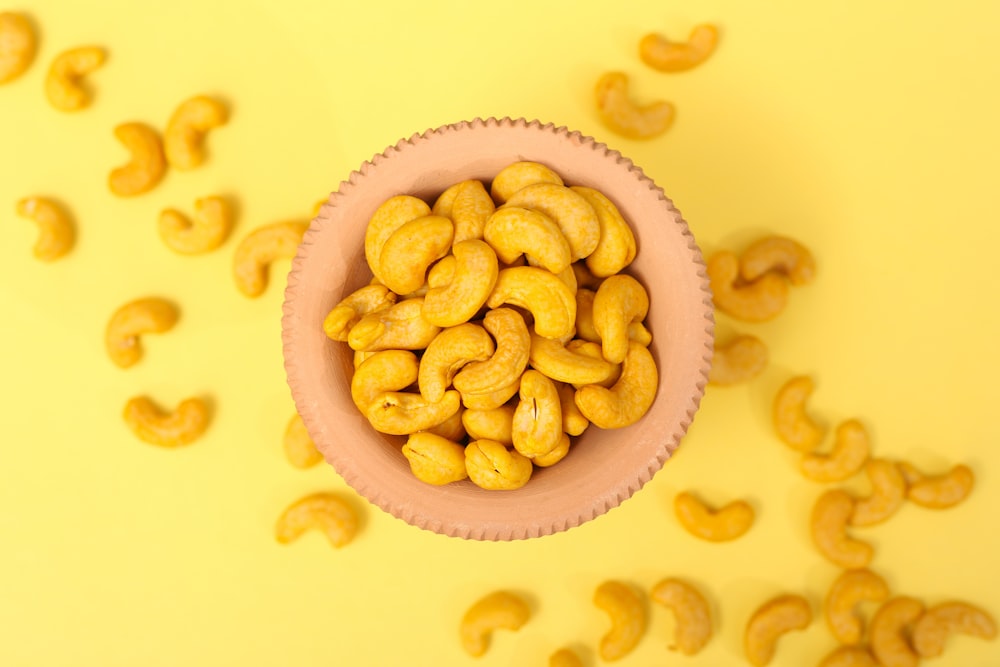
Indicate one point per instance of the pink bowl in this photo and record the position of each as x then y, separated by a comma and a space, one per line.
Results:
604, 467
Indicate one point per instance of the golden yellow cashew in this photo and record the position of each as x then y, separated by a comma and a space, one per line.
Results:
759, 301
213, 220
574, 216
620, 114
740, 360
146, 165
349, 311
498, 610
593, 350
513, 231
519, 175
661, 54
447, 353
184, 137
627, 612
261, 247
629, 399
446, 200
63, 83
470, 211
300, 450
616, 246
17, 45
182, 426
327, 512
554, 455
727, 523
400, 326
451, 428
781, 255
492, 399
573, 421
850, 589
849, 656
621, 300
148, 315
435, 459
770, 621
564, 364
794, 426
938, 491
459, 297
383, 371
537, 425
828, 524
403, 413
888, 493
504, 368
56, 232
493, 466
851, 449
889, 629
691, 611
387, 218
932, 629
565, 657
411, 249
495, 424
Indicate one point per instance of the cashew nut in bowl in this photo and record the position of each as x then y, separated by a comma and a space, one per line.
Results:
349, 311
828, 524
400, 326
383, 371
583, 348
727, 523
564, 364
621, 300
629, 399
851, 449
540, 292
184, 136
434, 459
512, 231
17, 45
889, 629
474, 272
740, 360
403, 413
791, 422
849, 656
63, 85
661, 54
147, 315
691, 611
537, 426
770, 621
620, 114
146, 165
938, 491
850, 589
446, 200
627, 612
498, 610
259, 249
616, 246
932, 629
585, 329
759, 301
490, 399
451, 428
778, 254
574, 423
182, 426
574, 216
493, 466
327, 512
300, 450
554, 455
213, 219
470, 211
888, 494
447, 353
584, 277
411, 249
387, 218
519, 175
495, 424
56, 232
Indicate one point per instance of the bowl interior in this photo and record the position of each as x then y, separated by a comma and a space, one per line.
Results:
603, 467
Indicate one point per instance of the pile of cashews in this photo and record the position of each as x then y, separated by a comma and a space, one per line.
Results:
510, 312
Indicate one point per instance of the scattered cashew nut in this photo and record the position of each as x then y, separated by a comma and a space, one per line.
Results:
793, 425
63, 85
300, 450
691, 611
261, 247
326, 511
147, 315
146, 166
888, 494
759, 301
938, 622
828, 524
778, 254
770, 621
56, 232
182, 426
740, 360
888, 632
661, 54
851, 449
17, 45
850, 589
213, 219
722, 525
939, 491
620, 114
184, 136
627, 613
498, 610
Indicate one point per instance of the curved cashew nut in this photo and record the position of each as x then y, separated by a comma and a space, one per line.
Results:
184, 136
828, 524
491, 399
740, 360
519, 175
537, 426
554, 455
495, 424
573, 421
213, 219
564, 364
17, 45
888, 629
851, 449
149, 315
498, 610
625, 608
56, 233
565, 657
573, 214
474, 270
940, 491
691, 611
446, 200
182, 426
773, 619
493, 466
661, 54
513, 231
621, 300
261, 247
585, 348
401, 326
511, 357
933, 627
326, 511
850, 589
781, 255
63, 86
470, 211
300, 450
629, 399
793, 425
349, 311
585, 321
849, 656
402, 413
616, 247
447, 353
759, 301
722, 525
888, 493
384, 371
387, 218
435, 459
146, 166
411, 249
620, 114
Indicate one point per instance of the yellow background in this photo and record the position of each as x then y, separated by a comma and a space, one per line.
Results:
867, 130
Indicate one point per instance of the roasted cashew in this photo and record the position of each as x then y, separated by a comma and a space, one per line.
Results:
184, 137
491, 399
940, 491
554, 455
691, 611
451, 428
722, 525
454, 299
447, 353
777, 254
446, 200
888, 493
537, 426
56, 232
849, 656
349, 311
661, 54
493, 466
513, 231
585, 315
850, 589
889, 629
411, 249
935, 625
630, 397
63, 86
17, 45
624, 606
497, 610
386, 370
326, 511
496, 424
759, 301
213, 220
621, 300
148, 315
504, 368
620, 114
360, 356
830, 516
584, 348
518, 176
770, 621
851, 449
565, 657
442, 272
564, 364
402, 413
300, 450
740, 360
794, 426
388, 217
146, 165
182, 426
261, 247
435, 459
470, 211
573, 421
616, 247
573, 214
400, 326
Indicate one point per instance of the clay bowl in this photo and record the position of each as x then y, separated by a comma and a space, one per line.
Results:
604, 468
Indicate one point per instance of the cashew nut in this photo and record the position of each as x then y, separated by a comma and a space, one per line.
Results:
442, 272
56, 233
300, 450
759, 301
584, 278
585, 329
624, 606
148, 315
213, 219
691, 611
537, 426
572, 213
182, 426
661, 54
770, 621
620, 114
17, 45
63, 85
564, 364
888, 493
327, 512
400, 326
447, 353
384, 371
411, 249
573, 421
498, 610
504, 368
740, 360
850, 589
492, 399
722, 525
889, 629
554, 455
621, 300
830, 516
851, 449
458, 298
793, 425
780, 255
470, 211
349, 311
146, 165
435, 459
616, 247
495, 424
935, 625
512, 231
451, 428
403, 413
583, 348
493, 466
261, 247
939, 491
629, 399
388, 217
849, 656
565, 657
519, 175
184, 137
446, 200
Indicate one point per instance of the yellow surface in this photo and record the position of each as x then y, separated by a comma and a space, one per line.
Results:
867, 130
